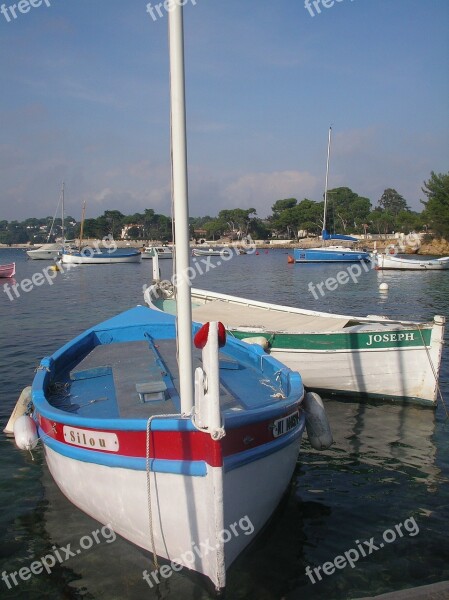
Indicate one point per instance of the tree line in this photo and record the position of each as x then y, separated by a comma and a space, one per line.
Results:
347, 213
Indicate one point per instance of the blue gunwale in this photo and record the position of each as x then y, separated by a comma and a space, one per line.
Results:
141, 323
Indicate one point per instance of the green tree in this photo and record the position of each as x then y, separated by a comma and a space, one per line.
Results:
238, 220
281, 205
392, 202
436, 211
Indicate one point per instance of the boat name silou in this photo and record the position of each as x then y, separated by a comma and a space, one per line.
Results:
390, 337
86, 438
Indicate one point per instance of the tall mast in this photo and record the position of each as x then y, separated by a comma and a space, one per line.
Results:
327, 177
62, 215
82, 223
181, 206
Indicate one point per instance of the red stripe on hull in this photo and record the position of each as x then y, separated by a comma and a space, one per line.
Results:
176, 445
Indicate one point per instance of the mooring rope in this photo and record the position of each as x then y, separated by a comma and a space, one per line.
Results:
433, 371
148, 476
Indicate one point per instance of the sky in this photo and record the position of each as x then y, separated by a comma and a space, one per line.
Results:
84, 98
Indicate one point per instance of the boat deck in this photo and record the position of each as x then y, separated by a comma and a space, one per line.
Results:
137, 379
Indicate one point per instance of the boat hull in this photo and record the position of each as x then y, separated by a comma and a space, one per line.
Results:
369, 357
100, 258
398, 263
176, 533
42, 254
211, 252
320, 255
202, 481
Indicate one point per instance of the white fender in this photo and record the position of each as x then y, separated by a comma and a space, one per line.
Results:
259, 340
25, 433
19, 409
317, 423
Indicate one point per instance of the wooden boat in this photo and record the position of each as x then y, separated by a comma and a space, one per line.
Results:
162, 252
95, 256
400, 263
330, 253
8, 270
371, 356
169, 458
210, 251
121, 424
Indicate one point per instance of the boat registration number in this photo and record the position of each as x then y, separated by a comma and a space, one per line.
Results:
286, 424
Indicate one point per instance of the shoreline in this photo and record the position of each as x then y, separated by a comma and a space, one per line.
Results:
434, 247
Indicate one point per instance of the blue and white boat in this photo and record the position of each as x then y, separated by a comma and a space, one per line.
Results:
330, 253
173, 448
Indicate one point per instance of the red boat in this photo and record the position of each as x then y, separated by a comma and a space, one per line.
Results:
8, 270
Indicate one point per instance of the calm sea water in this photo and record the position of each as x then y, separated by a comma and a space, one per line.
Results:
389, 463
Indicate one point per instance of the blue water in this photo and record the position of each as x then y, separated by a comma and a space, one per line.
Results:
389, 463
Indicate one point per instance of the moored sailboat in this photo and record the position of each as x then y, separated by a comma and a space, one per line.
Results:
51, 251
330, 253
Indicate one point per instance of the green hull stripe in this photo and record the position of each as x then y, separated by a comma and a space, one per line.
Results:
406, 338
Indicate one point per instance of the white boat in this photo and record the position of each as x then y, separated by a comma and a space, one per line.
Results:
173, 459
210, 251
86, 255
161, 251
95, 256
50, 251
400, 263
45, 252
371, 356
330, 253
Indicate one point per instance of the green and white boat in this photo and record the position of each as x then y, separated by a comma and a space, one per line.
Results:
368, 357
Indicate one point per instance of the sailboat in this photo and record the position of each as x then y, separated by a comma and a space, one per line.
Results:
171, 456
50, 251
96, 255
330, 253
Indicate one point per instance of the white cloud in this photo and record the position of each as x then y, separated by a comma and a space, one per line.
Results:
261, 190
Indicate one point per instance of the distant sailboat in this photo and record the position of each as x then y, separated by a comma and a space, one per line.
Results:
50, 251
96, 256
330, 253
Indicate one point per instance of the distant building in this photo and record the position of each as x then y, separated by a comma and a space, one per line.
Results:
125, 229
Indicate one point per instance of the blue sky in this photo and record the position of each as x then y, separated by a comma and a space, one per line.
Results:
84, 98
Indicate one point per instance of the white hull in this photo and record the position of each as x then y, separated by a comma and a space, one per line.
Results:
45, 252
210, 252
364, 356
174, 539
384, 261
96, 259
389, 373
